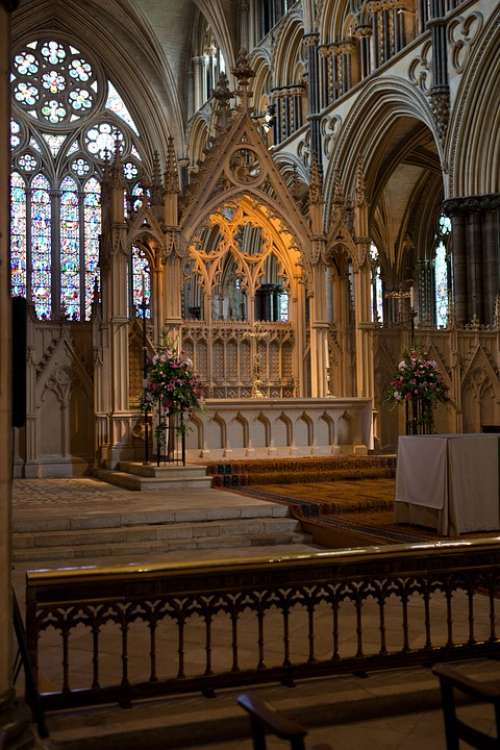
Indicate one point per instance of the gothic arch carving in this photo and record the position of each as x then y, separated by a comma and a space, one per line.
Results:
385, 100
473, 153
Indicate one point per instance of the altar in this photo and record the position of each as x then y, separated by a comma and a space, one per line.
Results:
449, 482
265, 427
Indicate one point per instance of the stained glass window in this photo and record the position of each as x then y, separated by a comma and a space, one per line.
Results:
92, 219
41, 243
141, 281
70, 249
18, 235
441, 276
66, 119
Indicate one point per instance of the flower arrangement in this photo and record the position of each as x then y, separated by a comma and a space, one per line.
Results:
419, 382
171, 384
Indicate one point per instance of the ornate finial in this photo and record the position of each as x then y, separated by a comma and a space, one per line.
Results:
116, 165
315, 183
117, 148
156, 185
243, 73
171, 177
360, 184
106, 170
338, 189
221, 108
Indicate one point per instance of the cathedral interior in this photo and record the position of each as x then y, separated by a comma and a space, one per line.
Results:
295, 194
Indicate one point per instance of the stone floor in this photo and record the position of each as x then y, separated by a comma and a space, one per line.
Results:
343, 711
60, 503
389, 710
415, 731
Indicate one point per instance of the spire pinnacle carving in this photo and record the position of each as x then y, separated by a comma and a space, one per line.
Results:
316, 183
116, 171
360, 184
156, 185
221, 107
338, 188
243, 73
171, 177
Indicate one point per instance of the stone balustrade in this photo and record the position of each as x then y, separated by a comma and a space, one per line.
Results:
255, 428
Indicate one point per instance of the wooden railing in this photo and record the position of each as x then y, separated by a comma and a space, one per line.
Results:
120, 633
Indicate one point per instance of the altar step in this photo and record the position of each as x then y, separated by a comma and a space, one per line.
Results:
146, 540
239, 473
133, 475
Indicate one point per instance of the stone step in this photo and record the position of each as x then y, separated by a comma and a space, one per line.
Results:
155, 532
153, 484
158, 547
117, 515
164, 471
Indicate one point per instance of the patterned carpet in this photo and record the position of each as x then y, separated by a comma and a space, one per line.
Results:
344, 513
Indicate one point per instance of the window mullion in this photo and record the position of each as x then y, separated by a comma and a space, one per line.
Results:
55, 199
81, 228
29, 296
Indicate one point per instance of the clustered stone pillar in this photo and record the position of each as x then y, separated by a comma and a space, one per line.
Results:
440, 92
311, 43
475, 252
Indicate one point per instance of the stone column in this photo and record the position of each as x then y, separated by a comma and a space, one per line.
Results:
459, 269
14, 716
491, 259
319, 333
474, 285
475, 255
362, 294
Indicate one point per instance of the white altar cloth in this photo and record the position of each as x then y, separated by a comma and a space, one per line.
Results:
449, 482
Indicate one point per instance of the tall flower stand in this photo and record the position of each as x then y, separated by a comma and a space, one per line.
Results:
170, 437
419, 417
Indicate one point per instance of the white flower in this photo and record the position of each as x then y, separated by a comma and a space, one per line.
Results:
397, 395
402, 365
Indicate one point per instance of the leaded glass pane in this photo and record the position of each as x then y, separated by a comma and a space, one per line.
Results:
18, 236
15, 134
54, 142
377, 295
101, 140
92, 229
70, 249
41, 216
53, 81
441, 281
116, 104
141, 280
441, 275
